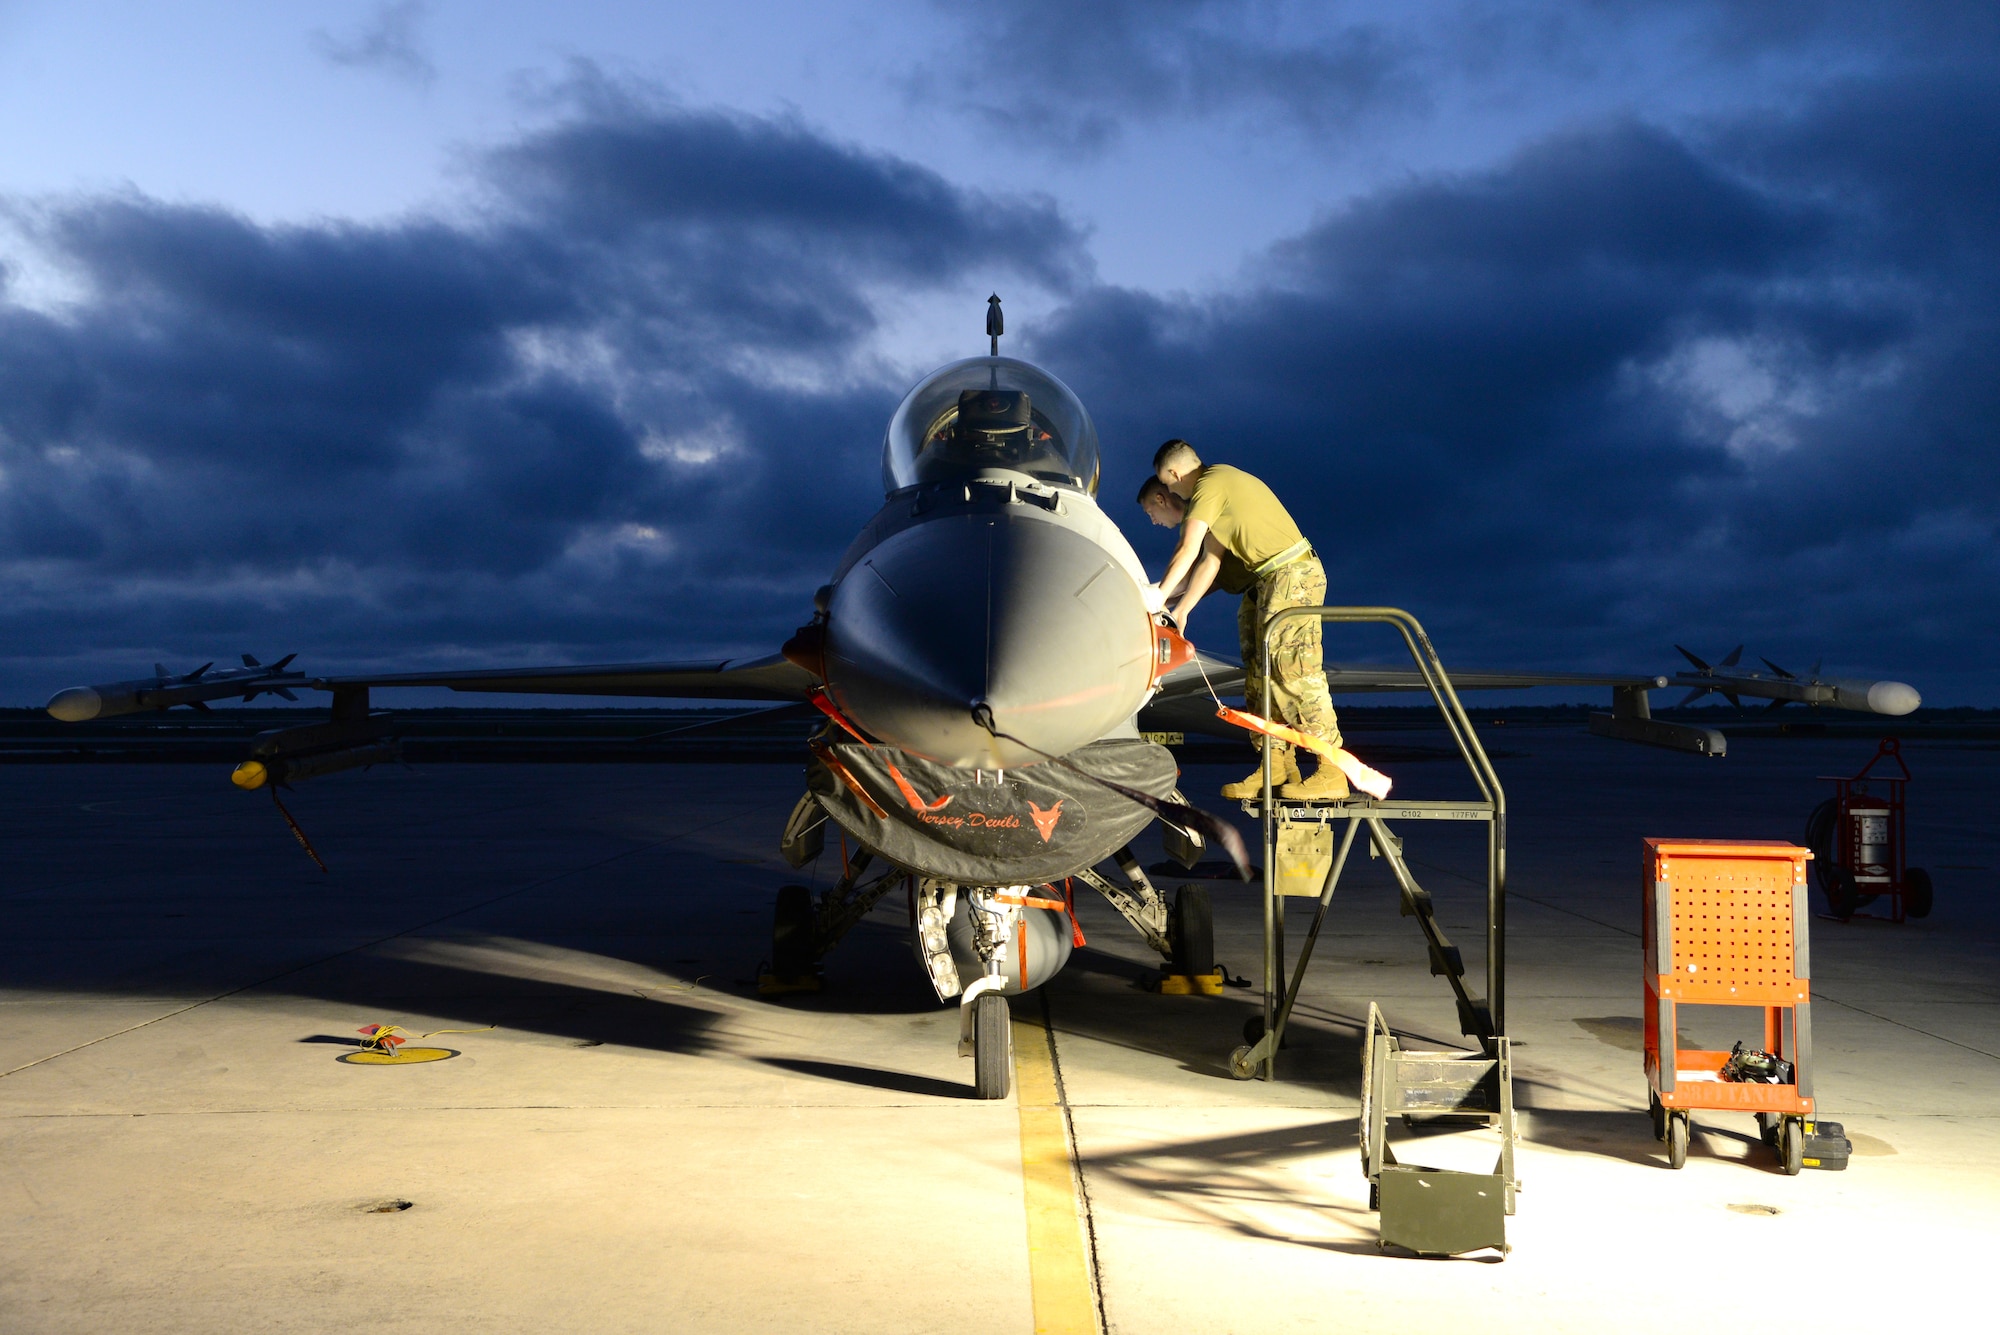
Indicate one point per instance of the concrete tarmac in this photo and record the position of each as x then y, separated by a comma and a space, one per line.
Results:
633, 1140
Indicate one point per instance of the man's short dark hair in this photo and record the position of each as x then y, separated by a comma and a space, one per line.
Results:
1152, 485
1172, 450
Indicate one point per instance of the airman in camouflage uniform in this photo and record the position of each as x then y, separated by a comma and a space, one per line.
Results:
1238, 537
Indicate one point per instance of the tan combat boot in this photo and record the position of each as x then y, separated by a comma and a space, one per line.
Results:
1284, 770
1327, 784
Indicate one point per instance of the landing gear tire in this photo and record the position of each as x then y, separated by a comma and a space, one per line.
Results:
1916, 893
1193, 932
793, 950
1677, 1139
992, 1047
1792, 1146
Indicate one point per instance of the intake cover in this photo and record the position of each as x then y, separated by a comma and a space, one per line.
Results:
977, 828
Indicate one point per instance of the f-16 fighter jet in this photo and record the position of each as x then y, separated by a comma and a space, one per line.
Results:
980, 657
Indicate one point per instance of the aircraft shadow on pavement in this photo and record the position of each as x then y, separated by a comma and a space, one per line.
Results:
872, 1077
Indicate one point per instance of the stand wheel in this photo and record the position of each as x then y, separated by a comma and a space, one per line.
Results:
1657, 1111
992, 1046
1792, 1146
1843, 896
792, 931
1916, 893
1677, 1139
1192, 931
1240, 1065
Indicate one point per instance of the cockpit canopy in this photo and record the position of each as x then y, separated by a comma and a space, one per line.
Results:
990, 412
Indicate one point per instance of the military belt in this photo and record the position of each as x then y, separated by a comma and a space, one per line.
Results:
1298, 551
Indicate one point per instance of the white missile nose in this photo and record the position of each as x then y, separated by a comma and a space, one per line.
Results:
78, 704
1893, 697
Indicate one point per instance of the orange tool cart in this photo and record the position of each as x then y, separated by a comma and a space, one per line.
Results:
1725, 925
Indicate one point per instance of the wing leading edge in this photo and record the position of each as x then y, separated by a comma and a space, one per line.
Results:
769, 678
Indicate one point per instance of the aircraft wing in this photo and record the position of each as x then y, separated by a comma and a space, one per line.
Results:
1226, 677
770, 678
1182, 704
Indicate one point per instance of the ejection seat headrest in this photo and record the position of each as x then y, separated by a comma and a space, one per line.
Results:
987, 416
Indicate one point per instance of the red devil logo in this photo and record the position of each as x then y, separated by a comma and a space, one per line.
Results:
1045, 821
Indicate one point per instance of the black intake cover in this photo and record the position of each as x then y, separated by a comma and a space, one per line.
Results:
1031, 827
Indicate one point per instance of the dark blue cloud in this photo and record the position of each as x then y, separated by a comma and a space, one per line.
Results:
629, 408
1076, 75
1633, 385
1628, 388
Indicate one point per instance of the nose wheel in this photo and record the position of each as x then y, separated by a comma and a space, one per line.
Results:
992, 1046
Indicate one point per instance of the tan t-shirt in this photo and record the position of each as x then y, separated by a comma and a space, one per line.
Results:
1246, 518
1232, 576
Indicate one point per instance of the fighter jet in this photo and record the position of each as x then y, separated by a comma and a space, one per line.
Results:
979, 657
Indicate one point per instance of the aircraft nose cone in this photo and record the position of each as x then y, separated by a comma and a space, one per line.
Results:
1022, 616
78, 704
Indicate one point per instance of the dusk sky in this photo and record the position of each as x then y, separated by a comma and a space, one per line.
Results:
423, 335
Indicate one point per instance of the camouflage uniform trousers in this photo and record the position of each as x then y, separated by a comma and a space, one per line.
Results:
1298, 675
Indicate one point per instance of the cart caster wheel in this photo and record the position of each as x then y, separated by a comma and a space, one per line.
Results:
1240, 1065
1658, 1113
1792, 1146
1677, 1139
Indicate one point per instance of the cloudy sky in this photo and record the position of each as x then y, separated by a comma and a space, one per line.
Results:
438, 334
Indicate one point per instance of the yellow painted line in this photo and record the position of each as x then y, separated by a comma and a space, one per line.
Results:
1058, 1256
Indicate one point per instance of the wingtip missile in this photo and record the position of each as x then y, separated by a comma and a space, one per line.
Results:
164, 690
1891, 698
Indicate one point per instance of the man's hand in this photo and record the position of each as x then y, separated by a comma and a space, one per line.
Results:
1156, 599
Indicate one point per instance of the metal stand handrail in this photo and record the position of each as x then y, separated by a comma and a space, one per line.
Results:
1462, 733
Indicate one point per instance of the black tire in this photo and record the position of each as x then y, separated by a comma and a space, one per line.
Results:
1253, 1030
1192, 930
1792, 1146
1819, 839
992, 1046
1842, 895
793, 948
1767, 1128
1677, 1139
1917, 893
1658, 1113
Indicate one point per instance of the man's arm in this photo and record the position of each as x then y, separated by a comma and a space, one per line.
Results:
1192, 532
1199, 581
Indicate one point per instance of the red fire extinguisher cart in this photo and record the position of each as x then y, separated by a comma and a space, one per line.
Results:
1857, 838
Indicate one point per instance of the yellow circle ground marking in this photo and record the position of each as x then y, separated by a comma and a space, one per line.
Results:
400, 1057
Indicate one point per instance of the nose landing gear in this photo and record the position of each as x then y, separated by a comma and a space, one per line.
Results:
985, 1025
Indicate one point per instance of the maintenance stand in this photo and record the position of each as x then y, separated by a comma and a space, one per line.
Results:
1444, 1213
